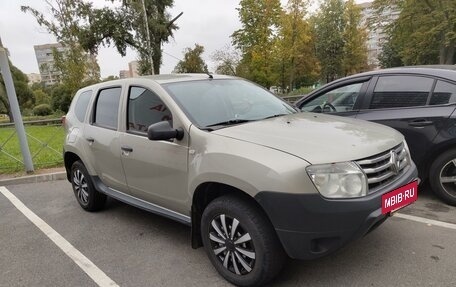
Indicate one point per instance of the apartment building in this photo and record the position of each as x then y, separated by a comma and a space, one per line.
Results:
45, 58
376, 33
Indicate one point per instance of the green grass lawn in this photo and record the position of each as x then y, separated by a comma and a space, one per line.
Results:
45, 142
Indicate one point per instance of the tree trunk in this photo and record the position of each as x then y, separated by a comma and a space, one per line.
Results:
446, 54
7, 107
449, 57
157, 57
292, 74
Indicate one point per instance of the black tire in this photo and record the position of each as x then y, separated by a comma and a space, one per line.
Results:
269, 255
443, 168
84, 190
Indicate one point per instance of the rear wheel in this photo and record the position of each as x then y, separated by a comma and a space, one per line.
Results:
442, 176
240, 242
86, 194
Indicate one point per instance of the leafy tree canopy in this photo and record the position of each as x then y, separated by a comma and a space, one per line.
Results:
423, 33
192, 62
24, 94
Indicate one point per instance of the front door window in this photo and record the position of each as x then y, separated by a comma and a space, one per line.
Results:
341, 99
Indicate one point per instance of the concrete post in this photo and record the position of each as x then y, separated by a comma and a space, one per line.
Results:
14, 106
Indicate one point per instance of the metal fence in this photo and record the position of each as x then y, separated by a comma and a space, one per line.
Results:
45, 140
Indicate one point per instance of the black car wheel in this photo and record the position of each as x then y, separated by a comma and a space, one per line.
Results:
240, 242
442, 176
86, 194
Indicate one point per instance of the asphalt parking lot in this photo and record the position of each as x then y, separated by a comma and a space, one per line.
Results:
135, 248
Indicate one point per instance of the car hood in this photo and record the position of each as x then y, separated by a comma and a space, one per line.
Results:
317, 138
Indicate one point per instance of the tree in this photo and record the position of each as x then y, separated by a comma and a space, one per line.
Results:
299, 65
355, 38
66, 22
227, 60
423, 33
41, 97
125, 26
61, 96
110, 78
390, 56
24, 94
160, 29
257, 40
329, 28
192, 62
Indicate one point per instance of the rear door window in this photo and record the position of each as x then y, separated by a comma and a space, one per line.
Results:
107, 108
444, 93
401, 91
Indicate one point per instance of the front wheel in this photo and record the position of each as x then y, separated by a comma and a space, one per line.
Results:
86, 194
442, 176
240, 242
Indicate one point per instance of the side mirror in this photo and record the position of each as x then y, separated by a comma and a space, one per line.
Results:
164, 131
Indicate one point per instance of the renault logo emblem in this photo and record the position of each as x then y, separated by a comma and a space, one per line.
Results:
395, 163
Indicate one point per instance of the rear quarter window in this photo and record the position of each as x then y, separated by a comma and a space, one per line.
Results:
80, 109
444, 93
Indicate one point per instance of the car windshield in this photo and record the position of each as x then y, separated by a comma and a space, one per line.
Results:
225, 102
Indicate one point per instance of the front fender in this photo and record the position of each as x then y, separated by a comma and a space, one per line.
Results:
246, 166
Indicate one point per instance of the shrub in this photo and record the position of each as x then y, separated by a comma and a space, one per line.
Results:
27, 112
42, 110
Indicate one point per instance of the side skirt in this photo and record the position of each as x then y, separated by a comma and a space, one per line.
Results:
139, 203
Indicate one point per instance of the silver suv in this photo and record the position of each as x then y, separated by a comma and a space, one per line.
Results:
255, 179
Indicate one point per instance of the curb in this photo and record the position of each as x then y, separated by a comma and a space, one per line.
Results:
34, 178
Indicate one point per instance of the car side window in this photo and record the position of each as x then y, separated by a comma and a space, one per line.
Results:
401, 91
444, 93
341, 99
80, 108
144, 109
107, 108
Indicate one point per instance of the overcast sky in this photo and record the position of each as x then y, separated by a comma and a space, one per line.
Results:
206, 22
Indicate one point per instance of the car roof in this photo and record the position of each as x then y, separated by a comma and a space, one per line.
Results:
160, 79
172, 78
443, 71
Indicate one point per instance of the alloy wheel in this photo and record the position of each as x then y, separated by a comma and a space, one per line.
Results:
81, 186
448, 177
232, 244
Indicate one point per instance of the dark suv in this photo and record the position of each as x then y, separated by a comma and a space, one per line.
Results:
419, 102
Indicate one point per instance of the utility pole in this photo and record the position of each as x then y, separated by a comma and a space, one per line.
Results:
149, 52
15, 111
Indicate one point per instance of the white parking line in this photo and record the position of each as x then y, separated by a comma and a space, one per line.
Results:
83, 262
426, 221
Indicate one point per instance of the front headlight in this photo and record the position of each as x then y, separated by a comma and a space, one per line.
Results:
407, 150
338, 180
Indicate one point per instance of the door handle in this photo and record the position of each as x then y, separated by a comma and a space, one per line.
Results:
126, 148
90, 139
420, 123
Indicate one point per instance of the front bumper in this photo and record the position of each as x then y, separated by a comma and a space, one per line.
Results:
310, 226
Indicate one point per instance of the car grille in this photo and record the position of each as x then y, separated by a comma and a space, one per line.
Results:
386, 167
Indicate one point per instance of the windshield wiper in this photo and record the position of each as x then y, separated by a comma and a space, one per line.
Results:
274, 116
230, 122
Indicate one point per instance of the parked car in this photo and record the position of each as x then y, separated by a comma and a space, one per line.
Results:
255, 179
419, 102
